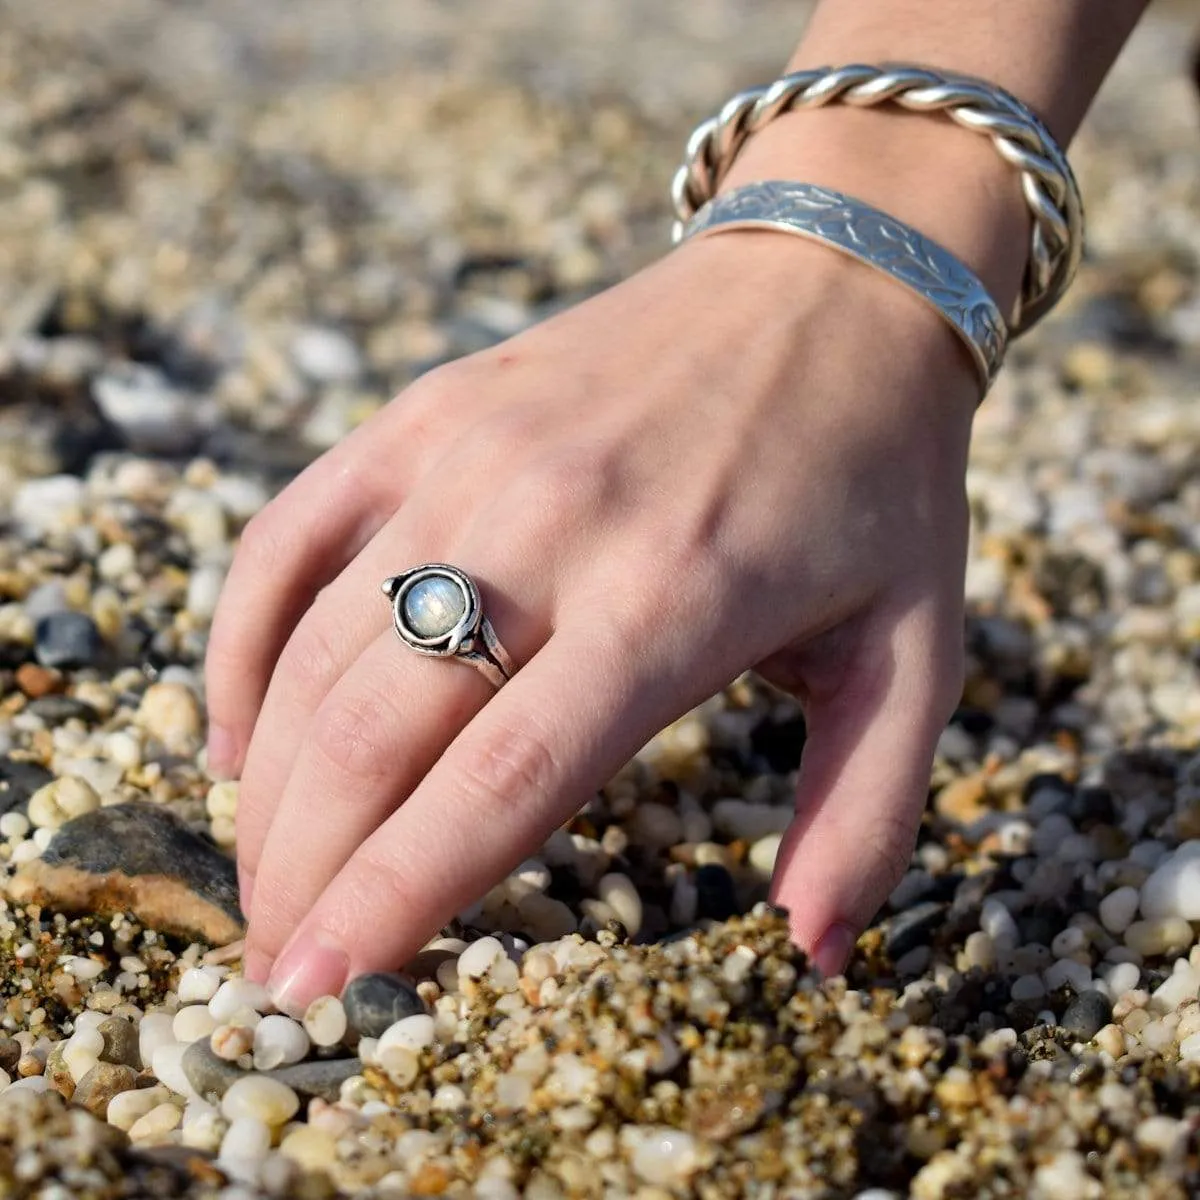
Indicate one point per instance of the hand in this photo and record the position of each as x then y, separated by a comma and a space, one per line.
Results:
752, 452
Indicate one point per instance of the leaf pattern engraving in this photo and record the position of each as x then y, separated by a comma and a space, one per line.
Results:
874, 238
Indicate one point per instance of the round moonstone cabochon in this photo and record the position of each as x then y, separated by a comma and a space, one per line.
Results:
433, 606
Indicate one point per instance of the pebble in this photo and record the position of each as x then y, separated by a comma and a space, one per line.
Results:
620, 894
1162, 935
236, 994
913, 927
477, 958
101, 1084
192, 1022
1087, 1014
413, 1033
170, 713
61, 801
278, 1041
129, 1106
1119, 908
136, 857
325, 1021
157, 1123
662, 1155
209, 1075
198, 985
1173, 890
374, 1001
261, 1098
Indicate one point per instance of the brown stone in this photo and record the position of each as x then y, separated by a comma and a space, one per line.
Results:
37, 681
101, 1084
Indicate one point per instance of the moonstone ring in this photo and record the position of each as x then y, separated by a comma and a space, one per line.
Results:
436, 610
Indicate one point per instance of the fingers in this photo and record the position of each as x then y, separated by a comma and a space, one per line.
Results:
530, 758
864, 780
376, 735
299, 542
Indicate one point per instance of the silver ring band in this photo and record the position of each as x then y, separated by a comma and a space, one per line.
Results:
437, 610
874, 238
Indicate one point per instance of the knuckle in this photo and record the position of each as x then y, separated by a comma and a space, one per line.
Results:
376, 884
266, 542
889, 844
507, 765
309, 664
354, 734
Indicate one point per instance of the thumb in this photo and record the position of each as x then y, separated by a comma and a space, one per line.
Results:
864, 779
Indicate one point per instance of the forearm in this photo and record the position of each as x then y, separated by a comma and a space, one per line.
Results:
947, 181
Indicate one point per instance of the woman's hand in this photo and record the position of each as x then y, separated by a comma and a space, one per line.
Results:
751, 453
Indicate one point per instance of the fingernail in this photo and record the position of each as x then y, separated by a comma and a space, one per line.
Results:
220, 754
833, 950
312, 964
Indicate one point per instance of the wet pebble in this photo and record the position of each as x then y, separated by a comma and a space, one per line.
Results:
1087, 1014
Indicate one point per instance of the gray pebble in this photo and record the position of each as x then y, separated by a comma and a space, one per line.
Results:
18, 781
211, 1075
120, 1042
375, 1001
1087, 1015
67, 639
913, 927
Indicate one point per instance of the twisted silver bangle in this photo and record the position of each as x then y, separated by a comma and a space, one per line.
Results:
1047, 182
874, 238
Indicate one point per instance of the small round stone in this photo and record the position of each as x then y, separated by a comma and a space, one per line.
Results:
433, 606
379, 999
325, 1021
259, 1096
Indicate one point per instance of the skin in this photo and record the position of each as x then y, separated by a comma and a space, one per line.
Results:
750, 454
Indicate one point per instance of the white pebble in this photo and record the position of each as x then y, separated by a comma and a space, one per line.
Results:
997, 922
82, 1052
260, 1097
1067, 970
154, 1030
1173, 890
167, 1065
235, 994
14, 825
399, 1063
278, 1041
1159, 935
1161, 1134
1122, 977
619, 893
1118, 909
1189, 1048
158, 1122
475, 960
230, 1042
662, 1154
192, 1023
325, 1021
198, 985
1065, 1177
1067, 941
246, 1138
125, 1109
764, 852
61, 800
415, 1033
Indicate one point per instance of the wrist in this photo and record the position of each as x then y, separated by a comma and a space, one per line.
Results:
948, 183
